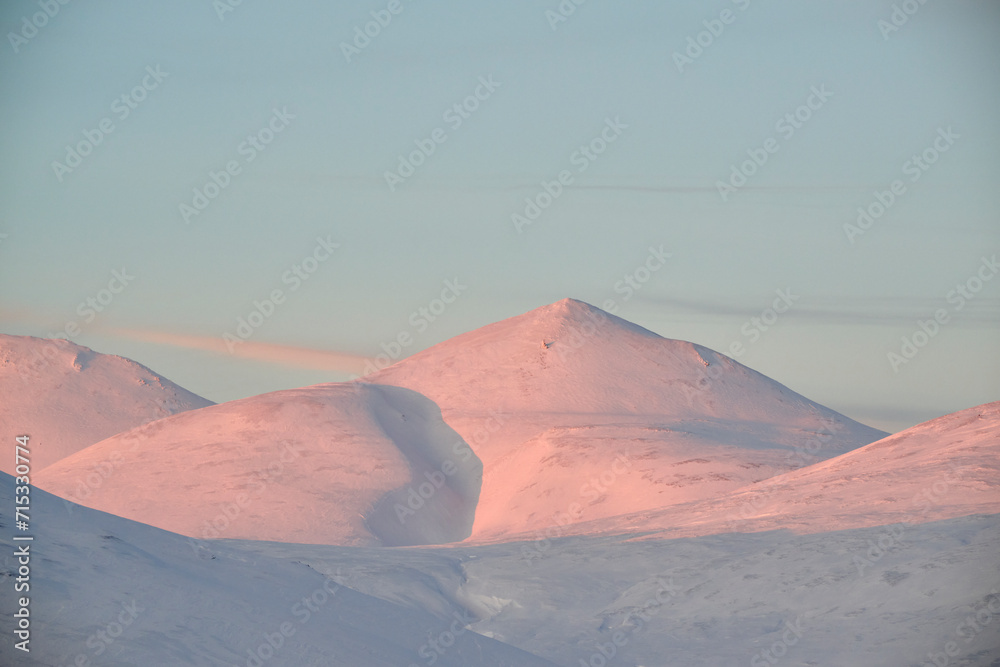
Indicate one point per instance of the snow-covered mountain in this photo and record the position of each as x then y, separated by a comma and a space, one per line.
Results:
629, 500
578, 415
329, 464
575, 415
67, 397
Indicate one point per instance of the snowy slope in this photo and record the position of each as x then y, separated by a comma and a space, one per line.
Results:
944, 468
712, 601
715, 601
67, 397
557, 400
332, 464
111, 592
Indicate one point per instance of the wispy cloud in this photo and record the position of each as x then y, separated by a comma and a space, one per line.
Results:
842, 310
274, 353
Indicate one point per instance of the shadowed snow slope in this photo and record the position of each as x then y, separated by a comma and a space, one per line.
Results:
111, 592
578, 414
67, 397
944, 468
713, 601
331, 464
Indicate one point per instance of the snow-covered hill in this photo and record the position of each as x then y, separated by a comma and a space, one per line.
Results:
329, 464
67, 397
944, 468
578, 414
111, 592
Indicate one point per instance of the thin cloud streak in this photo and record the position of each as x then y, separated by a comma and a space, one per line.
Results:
831, 310
274, 353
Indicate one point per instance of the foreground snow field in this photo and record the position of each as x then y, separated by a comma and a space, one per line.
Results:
109, 591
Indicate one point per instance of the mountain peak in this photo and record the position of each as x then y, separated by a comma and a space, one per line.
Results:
569, 306
575, 312
550, 397
572, 357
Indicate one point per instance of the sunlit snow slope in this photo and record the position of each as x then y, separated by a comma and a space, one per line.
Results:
67, 397
578, 415
330, 464
942, 469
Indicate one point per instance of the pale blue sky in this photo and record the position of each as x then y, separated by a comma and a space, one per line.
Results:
655, 184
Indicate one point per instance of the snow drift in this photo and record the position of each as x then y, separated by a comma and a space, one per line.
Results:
331, 464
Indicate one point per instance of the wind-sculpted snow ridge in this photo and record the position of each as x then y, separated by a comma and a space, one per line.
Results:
67, 397
578, 415
329, 464
112, 592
